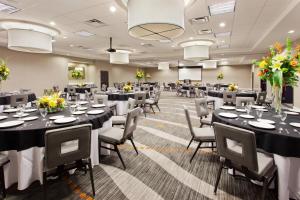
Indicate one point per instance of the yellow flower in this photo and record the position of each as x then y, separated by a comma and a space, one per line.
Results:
276, 65
262, 64
279, 58
52, 103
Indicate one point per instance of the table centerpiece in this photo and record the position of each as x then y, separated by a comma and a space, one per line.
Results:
139, 75
53, 103
4, 71
280, 69
233, 87
127, 88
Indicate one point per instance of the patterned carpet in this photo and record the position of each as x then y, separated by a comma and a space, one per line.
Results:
161, 170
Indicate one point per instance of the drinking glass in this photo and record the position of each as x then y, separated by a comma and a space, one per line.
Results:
283, 117
72, 109
43, 112
259, 113
20, 111
248, 109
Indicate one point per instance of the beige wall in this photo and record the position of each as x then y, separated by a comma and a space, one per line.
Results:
40, 71
232, 74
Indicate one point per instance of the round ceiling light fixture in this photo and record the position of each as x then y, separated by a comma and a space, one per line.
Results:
155, 19
29, 36
119, 57
196, 50
163, 66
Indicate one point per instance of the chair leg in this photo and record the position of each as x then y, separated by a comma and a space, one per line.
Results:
44, 185
91, 176
118, 152
131, 140
157, 107
265, 188
2, 180
218, 177
152, 109
190, 143
198, 147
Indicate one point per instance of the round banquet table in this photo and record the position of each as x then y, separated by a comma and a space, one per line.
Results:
80, 90
5, 97
283, 142
25, 144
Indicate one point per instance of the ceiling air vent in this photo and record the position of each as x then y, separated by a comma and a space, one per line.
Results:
5, 8
95, 23
205, 31
199, 20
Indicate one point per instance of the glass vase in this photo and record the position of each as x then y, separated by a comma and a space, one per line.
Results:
277, 92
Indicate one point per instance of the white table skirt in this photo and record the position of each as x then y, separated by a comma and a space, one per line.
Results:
121, 106
26, 166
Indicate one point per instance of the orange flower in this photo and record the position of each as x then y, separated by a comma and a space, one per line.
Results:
297, 48
278, 47
294, 63
260, 73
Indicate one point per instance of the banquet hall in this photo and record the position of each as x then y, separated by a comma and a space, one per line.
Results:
149, 99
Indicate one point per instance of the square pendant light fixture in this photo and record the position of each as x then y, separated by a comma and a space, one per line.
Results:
221, 8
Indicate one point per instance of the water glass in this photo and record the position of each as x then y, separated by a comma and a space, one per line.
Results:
283, 117
72, 109
259, 113
248, 109
43, 112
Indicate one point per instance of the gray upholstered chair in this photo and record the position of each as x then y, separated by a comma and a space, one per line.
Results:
202, 111
261, 98
121, 119
117, 136
103, 99
72, 93
3, 161
66, 149
244, 156
154, 101
140, 100
243, 101
19, 99
229, 97
201, 135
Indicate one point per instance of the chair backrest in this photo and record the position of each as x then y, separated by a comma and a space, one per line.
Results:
103, 87
201, 107
243, 101
101, 99
157, 96
56, 140
18, 99
131, 103
188, 119
131, 122
140, 98
71, 90
261, 97
229, 96
247, 157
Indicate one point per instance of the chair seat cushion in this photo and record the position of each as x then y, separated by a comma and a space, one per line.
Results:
3, 159
113, 135
206, 133
265, 162
149, 101
118, 120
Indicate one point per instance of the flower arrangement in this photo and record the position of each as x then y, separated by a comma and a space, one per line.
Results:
53, 103
280, 68
127, 88
220, 76
178, 82
4, 71
233, 87
77, 74
139, 75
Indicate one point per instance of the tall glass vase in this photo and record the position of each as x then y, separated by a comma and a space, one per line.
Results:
277, 90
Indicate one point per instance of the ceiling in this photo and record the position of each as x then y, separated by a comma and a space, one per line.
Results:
254, 26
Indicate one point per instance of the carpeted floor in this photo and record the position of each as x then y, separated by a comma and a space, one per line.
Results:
161, 170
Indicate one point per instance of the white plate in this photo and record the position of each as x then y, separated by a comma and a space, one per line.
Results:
258, 107
291, 113
10, 110
83, 102
78, 113
23, 115
262, 109
294, 110
3, 117
82, 108
227, 107
266, 121
228, 115
98, 105
11, 123
95, 112
56, 117
247, 116
261, 125
65, 120
30, 118
30, 110
241, 110
295, 124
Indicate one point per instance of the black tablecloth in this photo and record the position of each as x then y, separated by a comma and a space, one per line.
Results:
121, 96
199, 87
21, 138
5, 98
219, 94
284, 143
80, 89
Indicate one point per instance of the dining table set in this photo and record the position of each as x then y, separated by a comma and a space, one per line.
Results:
277, 134
22, 133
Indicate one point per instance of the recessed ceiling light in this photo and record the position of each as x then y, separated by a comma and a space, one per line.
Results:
142, 43
221, 8
191, 38
291, 31
112, 9
222, 24
84, 33
52, 23
71, 45
223, 34
65, 37
223, 41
